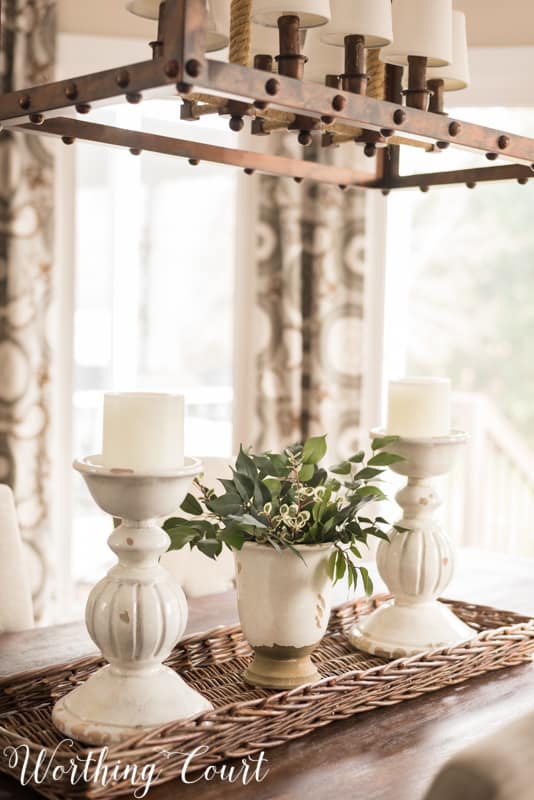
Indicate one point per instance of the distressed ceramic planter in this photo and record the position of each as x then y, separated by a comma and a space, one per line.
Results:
284, 607
135, 615
417, 564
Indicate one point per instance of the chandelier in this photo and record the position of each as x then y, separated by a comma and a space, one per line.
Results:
374, 72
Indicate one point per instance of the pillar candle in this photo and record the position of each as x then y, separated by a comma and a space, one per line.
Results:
143, 431
419, 407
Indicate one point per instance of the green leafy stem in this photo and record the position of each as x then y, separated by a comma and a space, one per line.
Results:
288, 499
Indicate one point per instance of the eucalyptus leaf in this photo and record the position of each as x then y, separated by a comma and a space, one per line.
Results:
354, 575
228, 485
295, 551
355, 551
278, 465
225, 505
245, 465
314, 450
248, 519
175, 522
367, 582
384, 460
319, 477
262, 494
306, 472
233, 537
331, 569
191, 505
273, 485
367, 473
341, 565
181, 536
378, 533
370, 491
383, 441
244, 486
210, 547
343, 468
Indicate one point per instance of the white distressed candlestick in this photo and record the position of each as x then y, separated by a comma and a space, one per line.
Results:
135, 615
417, 564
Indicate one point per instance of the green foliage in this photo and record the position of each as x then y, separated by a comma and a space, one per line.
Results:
287, 499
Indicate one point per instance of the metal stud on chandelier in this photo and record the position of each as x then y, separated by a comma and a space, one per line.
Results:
373, 72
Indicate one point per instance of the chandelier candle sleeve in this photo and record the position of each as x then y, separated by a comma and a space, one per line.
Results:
419, 407
143, 431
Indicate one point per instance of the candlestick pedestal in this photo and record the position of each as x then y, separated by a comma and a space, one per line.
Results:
416, 564
135, 615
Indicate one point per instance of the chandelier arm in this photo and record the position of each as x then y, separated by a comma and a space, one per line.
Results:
469, 177
136, 141
156, 78
360, 110
97, 88
184, 36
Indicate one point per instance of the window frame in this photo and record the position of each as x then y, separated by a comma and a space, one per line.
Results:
78, 54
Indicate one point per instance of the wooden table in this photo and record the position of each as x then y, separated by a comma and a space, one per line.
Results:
390, 754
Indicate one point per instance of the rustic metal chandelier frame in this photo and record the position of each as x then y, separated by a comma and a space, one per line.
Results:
179, 67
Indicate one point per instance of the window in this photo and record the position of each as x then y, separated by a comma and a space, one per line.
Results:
155, 258
460, 274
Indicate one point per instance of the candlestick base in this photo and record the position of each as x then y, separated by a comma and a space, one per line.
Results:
396, 631
111, 706
135, 614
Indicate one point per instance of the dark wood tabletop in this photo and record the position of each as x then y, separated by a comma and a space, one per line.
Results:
387, 754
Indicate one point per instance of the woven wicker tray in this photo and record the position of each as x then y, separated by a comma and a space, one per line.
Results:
247, 720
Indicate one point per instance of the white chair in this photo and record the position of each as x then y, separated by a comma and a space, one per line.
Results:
197, 574
498, 767
16, 612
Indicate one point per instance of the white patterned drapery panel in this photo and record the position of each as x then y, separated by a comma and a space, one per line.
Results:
309, 312
26, 256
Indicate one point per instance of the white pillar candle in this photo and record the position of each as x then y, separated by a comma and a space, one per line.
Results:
143, 431
419, 407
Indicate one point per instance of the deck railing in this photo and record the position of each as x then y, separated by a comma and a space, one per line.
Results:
490, 493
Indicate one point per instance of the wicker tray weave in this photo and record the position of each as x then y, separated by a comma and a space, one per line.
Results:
247, 720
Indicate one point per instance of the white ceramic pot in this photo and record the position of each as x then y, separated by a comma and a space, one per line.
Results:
284, 608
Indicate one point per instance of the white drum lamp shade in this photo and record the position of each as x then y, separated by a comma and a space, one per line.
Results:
371, 19
420, 28
311, 13
323, 59
456, 76
149, 9
218, 19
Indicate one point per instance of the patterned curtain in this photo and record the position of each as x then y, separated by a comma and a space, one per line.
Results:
310, 284
26, 247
